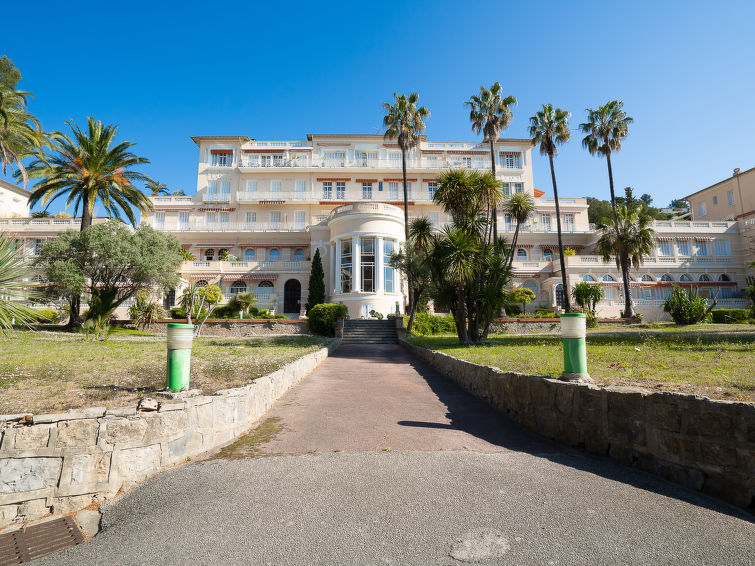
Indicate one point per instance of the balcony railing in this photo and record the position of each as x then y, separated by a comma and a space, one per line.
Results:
276, 195
287, 266
321, 162
198, 225
224, 197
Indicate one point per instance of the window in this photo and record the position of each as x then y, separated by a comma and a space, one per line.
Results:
727, 292
548, 255
275, 219
341, 190
521, 254
394, 158
225, 191
724, 277
507, 222
388, 249
212, 190
366, 191
646, 277
346, 266
479, 163
366, 158
704, 277
506, 189
299, 219
251, 220
159, 221
722, 248
201, 283
274, 254
664, 249
209, 254
249, 254
666, 278
607, 278
569, 222
393, 191
431, 189
702, 248
685, 277
730, 197
237, 287
715, 200
278, 161
367, 264
560, 295
327, 190
518, 187
222, 252
466, 162
210, 219
335, 158
588, 278
224, 218
265, 287
511, 160
683, 248
251, 187
299, 254
183, 220
275, 186
222, 159
546, 221
702, 210
300, 188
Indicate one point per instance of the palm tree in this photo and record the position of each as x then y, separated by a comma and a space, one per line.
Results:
20, 132
548, 128
404, 122
521, 207
605, 128
88, 169
490, 113
156, 188
629, 239
14, 267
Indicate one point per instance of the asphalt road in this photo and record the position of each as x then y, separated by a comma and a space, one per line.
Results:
381, 461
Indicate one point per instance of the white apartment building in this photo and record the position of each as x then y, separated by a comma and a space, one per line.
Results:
270, 204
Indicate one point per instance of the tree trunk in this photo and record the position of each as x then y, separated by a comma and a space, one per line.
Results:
628, 310
86, 215
495, 210
513, 244
74, 318
461, 318
610, 186
413, 310
567, 306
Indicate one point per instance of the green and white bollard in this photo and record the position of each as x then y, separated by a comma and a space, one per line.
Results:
180, 337
573, 333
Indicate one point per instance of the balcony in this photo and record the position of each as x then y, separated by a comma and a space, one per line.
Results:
198, 225
44, 224
173, 200
320, 162
222, 198
274, 196
238, 267
652, 261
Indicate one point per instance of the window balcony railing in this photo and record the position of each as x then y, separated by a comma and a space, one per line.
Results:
214, 197
216, 266
200, 226
274, 195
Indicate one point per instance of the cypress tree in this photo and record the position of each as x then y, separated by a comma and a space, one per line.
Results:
316, 282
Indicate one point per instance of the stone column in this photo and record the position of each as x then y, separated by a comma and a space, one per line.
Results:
337, 262
379, 259
356, 280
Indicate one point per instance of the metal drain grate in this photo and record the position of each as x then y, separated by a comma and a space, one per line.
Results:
38, 541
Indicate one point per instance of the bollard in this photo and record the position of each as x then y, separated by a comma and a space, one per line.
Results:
573, 333
180, 337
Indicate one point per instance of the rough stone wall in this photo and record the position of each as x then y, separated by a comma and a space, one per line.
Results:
64, 462
704, 444
241, 328
516, 326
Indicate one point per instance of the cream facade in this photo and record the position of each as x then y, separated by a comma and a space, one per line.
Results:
14, 201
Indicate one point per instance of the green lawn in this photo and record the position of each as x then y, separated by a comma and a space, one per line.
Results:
712, 360
56, 371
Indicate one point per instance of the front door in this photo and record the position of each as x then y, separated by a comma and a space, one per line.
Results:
292, 296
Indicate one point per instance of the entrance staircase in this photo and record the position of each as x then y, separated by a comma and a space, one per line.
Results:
369, 332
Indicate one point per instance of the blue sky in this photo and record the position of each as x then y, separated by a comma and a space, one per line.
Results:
165, 71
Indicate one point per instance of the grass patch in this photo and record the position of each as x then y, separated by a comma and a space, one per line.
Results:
248, 446
712, 360
43, 372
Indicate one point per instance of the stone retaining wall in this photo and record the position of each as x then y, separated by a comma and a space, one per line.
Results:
222, 327
62, 463
701, 443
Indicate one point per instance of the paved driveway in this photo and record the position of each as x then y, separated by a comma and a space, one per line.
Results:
378, 460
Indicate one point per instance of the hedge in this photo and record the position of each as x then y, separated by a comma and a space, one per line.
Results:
322, 318
428, 324
730, 316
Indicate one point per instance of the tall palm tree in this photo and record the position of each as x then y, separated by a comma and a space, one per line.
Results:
490, 113
629, 239
156, 188
549, 127
404, 121
606, 127
88, 169
521, 207
20, 132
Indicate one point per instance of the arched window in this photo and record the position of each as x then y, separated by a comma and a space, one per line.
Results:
532, 286
521, 253
299, 254
685, 277
238, 287
666, 278
588, 278
548, 255
724, 277
209, 254
201, 283
273, 254
265, 285
560, 295
222, 254
704, 277
647, 277
607, 278
249, 254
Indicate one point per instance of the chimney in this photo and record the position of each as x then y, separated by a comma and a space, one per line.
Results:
736, 171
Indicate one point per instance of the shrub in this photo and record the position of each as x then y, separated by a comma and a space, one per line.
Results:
730, 316
587, 296
429, 324
50, 316
570, 251
322, 318
144, 311
545, 313
513, 310
377, 315
686, 307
